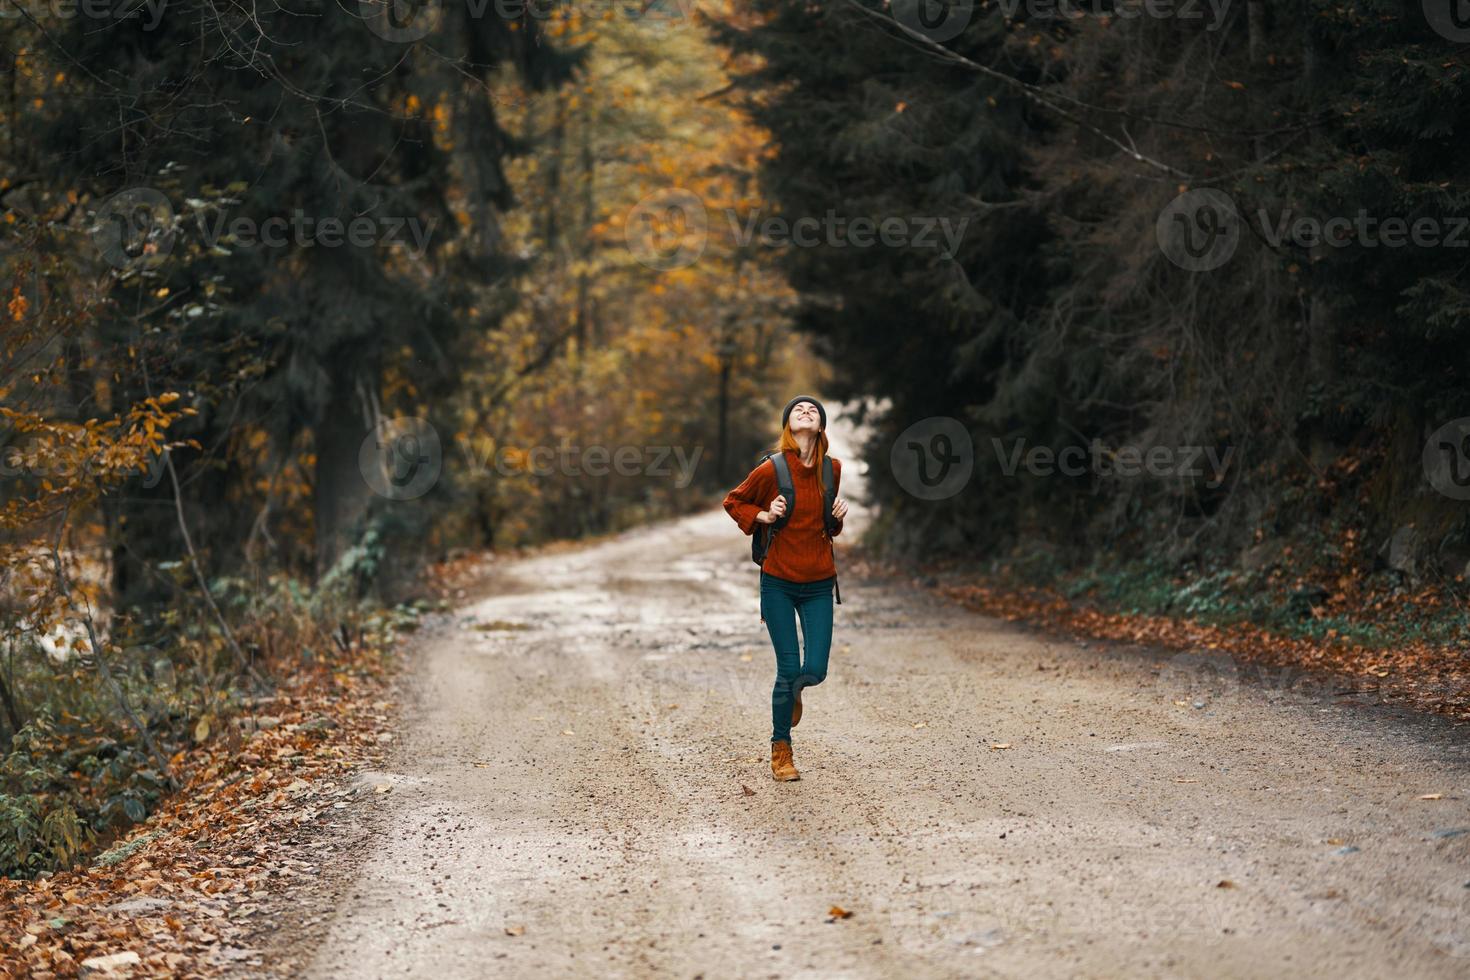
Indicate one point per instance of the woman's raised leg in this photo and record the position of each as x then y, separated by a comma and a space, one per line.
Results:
815, 609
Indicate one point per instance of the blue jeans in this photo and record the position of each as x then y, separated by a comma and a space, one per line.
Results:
782, 601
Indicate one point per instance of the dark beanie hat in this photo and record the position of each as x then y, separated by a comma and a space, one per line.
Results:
821, 412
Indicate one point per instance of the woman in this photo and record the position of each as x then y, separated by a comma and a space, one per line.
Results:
798, 573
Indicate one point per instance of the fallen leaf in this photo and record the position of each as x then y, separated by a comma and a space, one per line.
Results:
515, 930
921, 724
1225, 883
1000, 745
838, 912
748, 790
106, 964
567, 731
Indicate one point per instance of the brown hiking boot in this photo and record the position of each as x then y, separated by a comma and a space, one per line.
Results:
782, 768
796, 710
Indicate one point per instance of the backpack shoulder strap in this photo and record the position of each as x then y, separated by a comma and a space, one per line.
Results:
830, 522
830, 482
784, 487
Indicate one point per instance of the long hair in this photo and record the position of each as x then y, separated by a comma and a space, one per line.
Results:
788, 441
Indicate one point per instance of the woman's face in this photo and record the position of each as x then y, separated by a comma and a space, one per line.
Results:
804, 417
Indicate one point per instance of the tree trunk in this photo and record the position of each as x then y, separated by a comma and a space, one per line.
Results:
341, 494
11, 712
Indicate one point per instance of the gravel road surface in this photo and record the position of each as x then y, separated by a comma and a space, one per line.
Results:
583, 789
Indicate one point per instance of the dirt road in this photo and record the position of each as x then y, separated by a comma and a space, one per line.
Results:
583, 790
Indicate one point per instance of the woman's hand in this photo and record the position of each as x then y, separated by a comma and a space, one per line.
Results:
770, 514
839, 508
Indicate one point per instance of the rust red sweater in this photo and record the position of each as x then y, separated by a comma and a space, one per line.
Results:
801, 551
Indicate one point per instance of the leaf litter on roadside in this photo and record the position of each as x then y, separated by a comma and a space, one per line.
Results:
181, 893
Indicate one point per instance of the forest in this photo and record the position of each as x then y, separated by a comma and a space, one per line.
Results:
307, 302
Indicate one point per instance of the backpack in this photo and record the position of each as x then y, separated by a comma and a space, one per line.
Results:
765, 534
